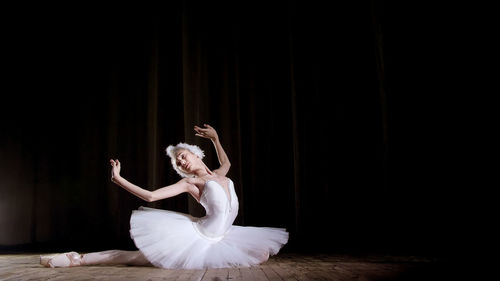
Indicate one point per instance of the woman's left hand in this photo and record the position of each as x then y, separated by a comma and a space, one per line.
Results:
208, 132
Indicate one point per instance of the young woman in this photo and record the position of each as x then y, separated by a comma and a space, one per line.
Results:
170, 239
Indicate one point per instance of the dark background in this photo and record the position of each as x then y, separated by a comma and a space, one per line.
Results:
340, 120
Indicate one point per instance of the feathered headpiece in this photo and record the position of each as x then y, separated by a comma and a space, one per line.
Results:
172, 150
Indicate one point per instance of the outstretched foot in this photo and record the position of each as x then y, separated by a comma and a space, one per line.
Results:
61, 260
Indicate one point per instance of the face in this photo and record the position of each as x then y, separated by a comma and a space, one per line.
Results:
186, 161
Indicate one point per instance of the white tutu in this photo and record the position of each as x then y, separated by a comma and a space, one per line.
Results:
175, 240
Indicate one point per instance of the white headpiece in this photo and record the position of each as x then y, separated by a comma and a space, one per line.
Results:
172, 150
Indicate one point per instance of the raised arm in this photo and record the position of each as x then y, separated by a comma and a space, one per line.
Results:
210, 133
168, 191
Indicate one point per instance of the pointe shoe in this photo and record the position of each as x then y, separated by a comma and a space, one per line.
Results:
61, 260
44, 260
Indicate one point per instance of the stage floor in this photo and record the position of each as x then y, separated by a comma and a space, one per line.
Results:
284, 266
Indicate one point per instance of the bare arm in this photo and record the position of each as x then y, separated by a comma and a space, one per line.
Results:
210, 133
146, 195
177, 188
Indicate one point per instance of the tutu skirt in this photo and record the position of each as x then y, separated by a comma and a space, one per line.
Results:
170, 239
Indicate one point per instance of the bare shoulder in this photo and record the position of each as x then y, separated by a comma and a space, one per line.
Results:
222, 171
194, 183
193, 186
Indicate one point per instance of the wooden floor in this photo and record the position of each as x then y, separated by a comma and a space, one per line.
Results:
280, 267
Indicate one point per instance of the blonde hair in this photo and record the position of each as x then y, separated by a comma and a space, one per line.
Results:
172, 150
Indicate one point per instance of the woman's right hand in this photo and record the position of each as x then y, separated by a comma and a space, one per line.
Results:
115, 170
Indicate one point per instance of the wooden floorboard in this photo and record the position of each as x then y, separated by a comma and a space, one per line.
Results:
279, 268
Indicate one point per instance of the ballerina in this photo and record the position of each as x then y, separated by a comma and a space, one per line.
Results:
174, 240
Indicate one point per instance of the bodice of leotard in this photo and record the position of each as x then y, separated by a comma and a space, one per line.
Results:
221, 210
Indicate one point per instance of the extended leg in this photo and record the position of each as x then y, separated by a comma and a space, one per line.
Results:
115, 257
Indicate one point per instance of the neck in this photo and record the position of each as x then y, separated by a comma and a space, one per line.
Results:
203, 171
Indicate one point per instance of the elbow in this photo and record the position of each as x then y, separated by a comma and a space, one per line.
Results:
150, 198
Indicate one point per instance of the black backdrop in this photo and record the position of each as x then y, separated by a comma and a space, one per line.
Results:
336, 117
